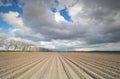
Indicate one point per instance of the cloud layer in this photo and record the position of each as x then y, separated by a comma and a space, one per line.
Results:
95, 23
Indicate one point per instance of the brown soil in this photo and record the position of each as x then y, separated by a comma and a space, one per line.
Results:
59, 66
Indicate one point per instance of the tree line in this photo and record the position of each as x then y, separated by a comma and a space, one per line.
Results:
18, 45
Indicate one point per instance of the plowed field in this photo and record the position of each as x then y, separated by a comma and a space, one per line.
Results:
59, 66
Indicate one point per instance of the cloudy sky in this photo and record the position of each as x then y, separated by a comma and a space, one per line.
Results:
63, 24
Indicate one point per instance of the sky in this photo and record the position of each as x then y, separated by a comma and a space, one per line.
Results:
74, 25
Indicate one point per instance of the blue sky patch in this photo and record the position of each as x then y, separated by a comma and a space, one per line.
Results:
54, 6
54, 10
66, 15
14, 2
4, 9
13, 7
4, 26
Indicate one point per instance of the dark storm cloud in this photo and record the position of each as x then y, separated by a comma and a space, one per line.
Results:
28, 35
101, 21
111, 4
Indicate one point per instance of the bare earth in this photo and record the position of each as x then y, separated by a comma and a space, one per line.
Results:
59, 66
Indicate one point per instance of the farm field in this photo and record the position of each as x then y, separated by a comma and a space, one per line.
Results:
59, 66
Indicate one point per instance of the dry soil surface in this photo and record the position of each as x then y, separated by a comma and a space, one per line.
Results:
59, 66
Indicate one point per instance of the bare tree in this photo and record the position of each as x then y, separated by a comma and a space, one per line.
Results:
2, 40
12, 44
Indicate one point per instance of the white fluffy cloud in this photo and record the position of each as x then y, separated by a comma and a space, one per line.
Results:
20, 30
84, 49
14, 19
59, 18
61, 44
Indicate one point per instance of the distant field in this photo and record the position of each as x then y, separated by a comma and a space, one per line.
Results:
59, 66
